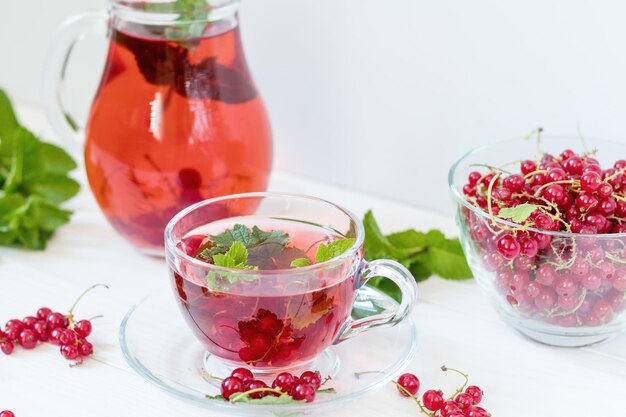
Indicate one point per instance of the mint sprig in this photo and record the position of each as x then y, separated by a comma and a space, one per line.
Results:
261, 245
34, 181
235, 258
325, 252
424, 254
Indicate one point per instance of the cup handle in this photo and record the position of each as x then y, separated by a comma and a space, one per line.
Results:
403, 279
71, 32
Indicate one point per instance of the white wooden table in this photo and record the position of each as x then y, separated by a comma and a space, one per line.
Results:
456, 327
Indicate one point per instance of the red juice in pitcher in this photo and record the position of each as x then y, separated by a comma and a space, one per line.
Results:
173, 123
272, 316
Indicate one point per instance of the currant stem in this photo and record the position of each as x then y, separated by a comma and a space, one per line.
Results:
326, 391
71, 312
466, 376
206, 376
254, 391
400, 387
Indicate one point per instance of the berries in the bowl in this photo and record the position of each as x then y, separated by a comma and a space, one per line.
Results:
536, 229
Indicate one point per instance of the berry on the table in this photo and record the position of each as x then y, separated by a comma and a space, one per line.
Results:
83, 328
433, 400
70, 352
255, 384
410, 383
28, 339
7, 413
6, 347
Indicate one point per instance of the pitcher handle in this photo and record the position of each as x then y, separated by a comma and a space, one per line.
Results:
71, 32
403, 279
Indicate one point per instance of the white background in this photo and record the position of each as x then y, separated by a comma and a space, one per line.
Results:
381, 96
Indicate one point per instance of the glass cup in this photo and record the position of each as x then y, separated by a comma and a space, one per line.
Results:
277, 319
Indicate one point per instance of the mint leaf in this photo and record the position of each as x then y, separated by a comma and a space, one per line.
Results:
445, 258
8, 120
55, 160
409, 240
269, 400
301, 262
376, 244
55, 188
419, 271
252, 239
332, 250
33, 181
236, 257
518, 214
387, 286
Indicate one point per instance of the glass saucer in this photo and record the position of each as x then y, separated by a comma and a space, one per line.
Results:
158, 345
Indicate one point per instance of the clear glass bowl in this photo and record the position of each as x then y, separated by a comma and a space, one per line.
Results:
572, 293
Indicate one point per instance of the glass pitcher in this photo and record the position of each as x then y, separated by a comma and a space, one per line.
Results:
176, 119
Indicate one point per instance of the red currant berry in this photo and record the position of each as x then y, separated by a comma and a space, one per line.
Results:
469, 191
449, 408
55, 336
83, 328
605, 190
528, 246
586, 201
603, 311
14, 324
433, 400
566, 284
29, 322
283, 381
28, 339
545, 299
464, 401
230, 386
7, 413
67, 337
243, 374
508, 246
515, 183
527, 167
69, 352
478, 412
607, 206
410, 383
43, 313
473, 178
312, 378
57, 320
590, 181
475, 392
573, 166
302, 391
85, 348
6, 347
253, 385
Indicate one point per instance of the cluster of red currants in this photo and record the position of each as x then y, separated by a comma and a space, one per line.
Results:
53, 327
463, 403
569, 279
241, 383
48, 326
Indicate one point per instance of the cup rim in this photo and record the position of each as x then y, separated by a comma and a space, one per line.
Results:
171, 246
480, 212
